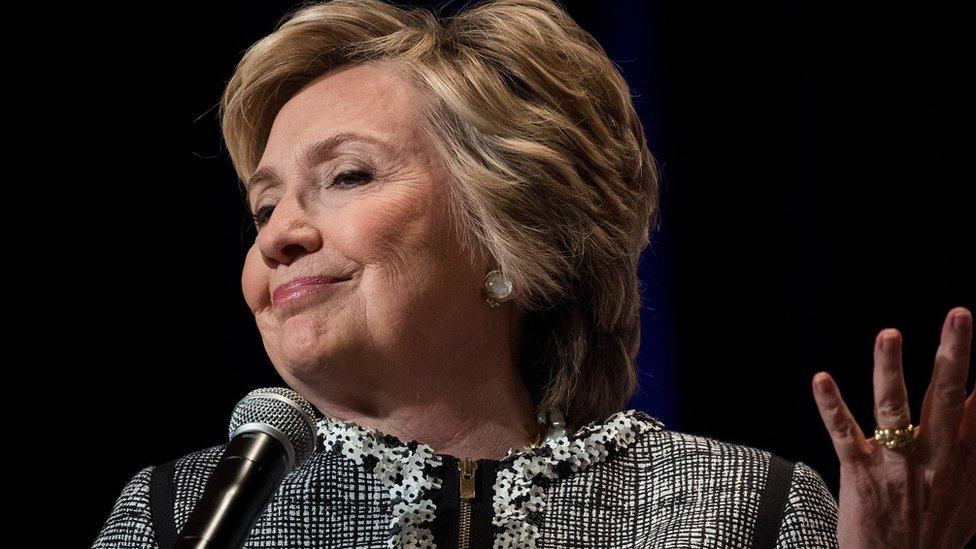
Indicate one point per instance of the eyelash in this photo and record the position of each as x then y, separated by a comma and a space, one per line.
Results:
360, 176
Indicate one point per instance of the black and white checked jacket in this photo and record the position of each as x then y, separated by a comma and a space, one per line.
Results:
625, 482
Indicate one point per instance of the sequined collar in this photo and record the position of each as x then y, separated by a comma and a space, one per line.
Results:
408, 471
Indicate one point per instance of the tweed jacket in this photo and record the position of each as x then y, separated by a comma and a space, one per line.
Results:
620, 483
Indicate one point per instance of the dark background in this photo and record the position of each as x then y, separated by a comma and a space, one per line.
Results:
816, 162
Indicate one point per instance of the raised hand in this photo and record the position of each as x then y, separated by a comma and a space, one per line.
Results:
916, 495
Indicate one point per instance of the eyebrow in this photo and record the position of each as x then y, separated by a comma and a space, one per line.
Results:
312, 155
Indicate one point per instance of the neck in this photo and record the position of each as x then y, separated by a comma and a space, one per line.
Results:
461, 406
476, 421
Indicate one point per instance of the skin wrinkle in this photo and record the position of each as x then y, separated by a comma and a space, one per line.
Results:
407, 345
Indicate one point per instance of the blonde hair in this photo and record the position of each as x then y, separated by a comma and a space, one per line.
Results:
552, 178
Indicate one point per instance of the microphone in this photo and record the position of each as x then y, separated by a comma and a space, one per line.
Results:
272, 432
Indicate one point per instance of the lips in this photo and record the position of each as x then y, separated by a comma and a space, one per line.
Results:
300, 285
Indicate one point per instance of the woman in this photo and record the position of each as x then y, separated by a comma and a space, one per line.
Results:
450, 215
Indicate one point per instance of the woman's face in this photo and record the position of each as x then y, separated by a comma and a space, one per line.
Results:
371, 214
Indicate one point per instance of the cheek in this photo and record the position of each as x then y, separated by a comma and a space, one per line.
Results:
254, 280
385, 235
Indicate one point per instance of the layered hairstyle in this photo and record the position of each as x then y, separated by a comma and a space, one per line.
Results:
551, 178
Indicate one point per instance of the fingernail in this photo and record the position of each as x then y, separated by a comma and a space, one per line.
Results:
960, 322
888, 339
823, 383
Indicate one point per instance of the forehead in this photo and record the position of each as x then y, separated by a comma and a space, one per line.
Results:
369, 98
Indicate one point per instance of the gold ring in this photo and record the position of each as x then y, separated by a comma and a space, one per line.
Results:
901, 438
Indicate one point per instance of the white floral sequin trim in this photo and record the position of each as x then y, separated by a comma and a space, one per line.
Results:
525, 475
406, 470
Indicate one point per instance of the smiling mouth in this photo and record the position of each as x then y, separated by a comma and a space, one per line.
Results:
299, 290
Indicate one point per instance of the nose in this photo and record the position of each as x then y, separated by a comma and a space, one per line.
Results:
288, 234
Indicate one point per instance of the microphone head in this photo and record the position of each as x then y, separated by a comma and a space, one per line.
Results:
281, 413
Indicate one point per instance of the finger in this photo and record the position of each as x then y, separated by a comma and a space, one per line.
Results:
948, 519
846, 435
967, 431
963, 524
962, 527
891, 409
944, 402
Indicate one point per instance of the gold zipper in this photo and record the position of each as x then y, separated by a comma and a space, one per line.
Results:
467, 467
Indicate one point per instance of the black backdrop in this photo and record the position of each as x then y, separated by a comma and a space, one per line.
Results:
817, 164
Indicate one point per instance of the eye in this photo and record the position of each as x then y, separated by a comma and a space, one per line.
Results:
349, 178
261, 217
352, 178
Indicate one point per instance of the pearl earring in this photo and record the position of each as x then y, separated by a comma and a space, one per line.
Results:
498, 288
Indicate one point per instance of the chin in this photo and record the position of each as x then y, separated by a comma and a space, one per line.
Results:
303, 344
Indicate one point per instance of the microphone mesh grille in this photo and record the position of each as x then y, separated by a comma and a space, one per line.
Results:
296, 422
